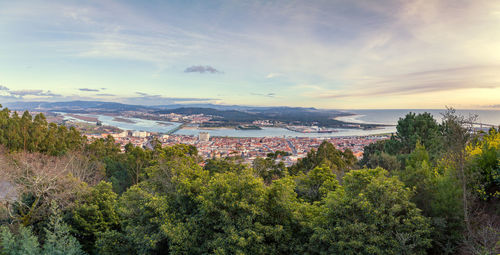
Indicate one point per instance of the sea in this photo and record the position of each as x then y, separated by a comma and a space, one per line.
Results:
387, 117
391, 116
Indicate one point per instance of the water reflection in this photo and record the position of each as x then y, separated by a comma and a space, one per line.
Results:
154, 126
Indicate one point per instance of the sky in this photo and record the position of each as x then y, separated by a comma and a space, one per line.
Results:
363, 54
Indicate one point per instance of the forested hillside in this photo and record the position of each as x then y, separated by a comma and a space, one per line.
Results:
433, 188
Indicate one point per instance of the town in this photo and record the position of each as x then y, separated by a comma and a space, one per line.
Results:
248, 148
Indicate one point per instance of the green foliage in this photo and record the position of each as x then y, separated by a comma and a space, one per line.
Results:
103, 148
162, 201
418, 127
278, 154
370, 214
437, 194
137, 160
314, 185
445, 209
95, 213
413, 129
287, 219
113, 242
418, 175
336, 160
23, 243
485, 166
37, 135
142, 216
268, 169
58, 239
228, 211
229, 164
384, 160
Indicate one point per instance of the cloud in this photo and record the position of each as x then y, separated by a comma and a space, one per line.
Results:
33, 92
7, 98
273, 75
89, 90
149, 99
26, 92
105, 94
438, 80
8, 94
346, 48
201, 69
263, 95
3, 88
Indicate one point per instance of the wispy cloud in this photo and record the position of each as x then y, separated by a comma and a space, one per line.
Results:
155, 99
374, 50
263, 95
8, 94
201, 69
32, 92
105, 94
273, 75
89, 90
450, 79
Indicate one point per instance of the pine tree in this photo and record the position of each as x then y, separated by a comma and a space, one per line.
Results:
58, 239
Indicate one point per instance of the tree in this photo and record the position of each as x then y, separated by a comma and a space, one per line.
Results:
58, 239
336, 160
37, 180
24, 243
370, 214
418, 127
38, 131
25, 124
113, 242
95, 213
137, 160
228, 164
385, 161
316, 184
437, 192
227, 221
444, 207
268, 170
287, 220
457, 133
484, 165
143, 215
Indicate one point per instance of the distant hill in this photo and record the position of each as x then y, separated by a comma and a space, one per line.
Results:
113, 106
289, 115
76, 106
229, 114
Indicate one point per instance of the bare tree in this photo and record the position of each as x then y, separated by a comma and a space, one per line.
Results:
37, 180
82, 167
484, 237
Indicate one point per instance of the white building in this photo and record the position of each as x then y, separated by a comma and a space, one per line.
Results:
140, 134
204, 136
120, 135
